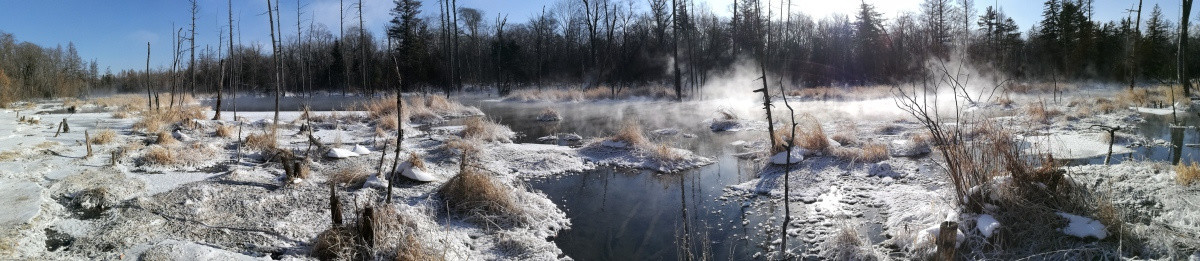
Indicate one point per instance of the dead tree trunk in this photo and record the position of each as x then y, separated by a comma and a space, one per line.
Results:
275, 58
1181, 55
149, 106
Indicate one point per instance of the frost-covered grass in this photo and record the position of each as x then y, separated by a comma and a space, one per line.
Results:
480, 128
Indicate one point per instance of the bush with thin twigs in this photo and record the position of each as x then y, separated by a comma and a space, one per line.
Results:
104, 137
479, 128
225, 131
479, 197
1187, 174
260, 141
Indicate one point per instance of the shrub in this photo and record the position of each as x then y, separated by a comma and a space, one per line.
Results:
480, 198
104, 137
1187, 174
351, 176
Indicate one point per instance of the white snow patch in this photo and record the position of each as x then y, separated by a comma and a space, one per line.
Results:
361, 150
1083, 227
782, 157
986, 224
22, 202
340, 153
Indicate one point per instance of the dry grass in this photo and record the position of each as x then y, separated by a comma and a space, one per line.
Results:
157, 121
104, 137
1040, 87
630, 133
1187, 174
811, 136
9, 155
350, 175
874, 152
159, 155
225, 131
1004, 101
479, 128
463, 146
122, 114
165, 139
481, 198
261, 141
1038, 112
122, 101
416, 161
378, 231
662, 152
388, 122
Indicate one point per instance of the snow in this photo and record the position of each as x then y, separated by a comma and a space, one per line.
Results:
361, 150
340, 153
178, 250
21, 201
614, 144
782, 157
417, 174
986, 224
1083, 227
928, 236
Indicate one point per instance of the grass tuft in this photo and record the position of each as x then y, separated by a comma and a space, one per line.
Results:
165, 139
260, 141
481, 198
479, 128
1187, 174
104, 137
159, 155
630, 133
351, 176
225, 131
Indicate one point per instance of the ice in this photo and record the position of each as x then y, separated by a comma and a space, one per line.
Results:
1083, 227
340, 153
986, 224
178, 250
21, 201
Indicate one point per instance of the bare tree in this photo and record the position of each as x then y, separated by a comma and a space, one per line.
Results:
275, 57
362, 46
675, 49
148, 99
192, 40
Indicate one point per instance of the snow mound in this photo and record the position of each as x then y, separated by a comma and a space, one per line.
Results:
907, 148
782, 157
340, 153
1083, 227
417, 174
719, 125
21, 201
986, 224
360, 150
928, 237
177, 250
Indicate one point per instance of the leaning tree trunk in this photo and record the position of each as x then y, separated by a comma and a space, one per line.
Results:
1181, 55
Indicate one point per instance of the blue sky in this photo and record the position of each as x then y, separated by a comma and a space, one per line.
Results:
115, 32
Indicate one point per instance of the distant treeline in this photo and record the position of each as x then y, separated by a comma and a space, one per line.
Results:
31, 71
589, 43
